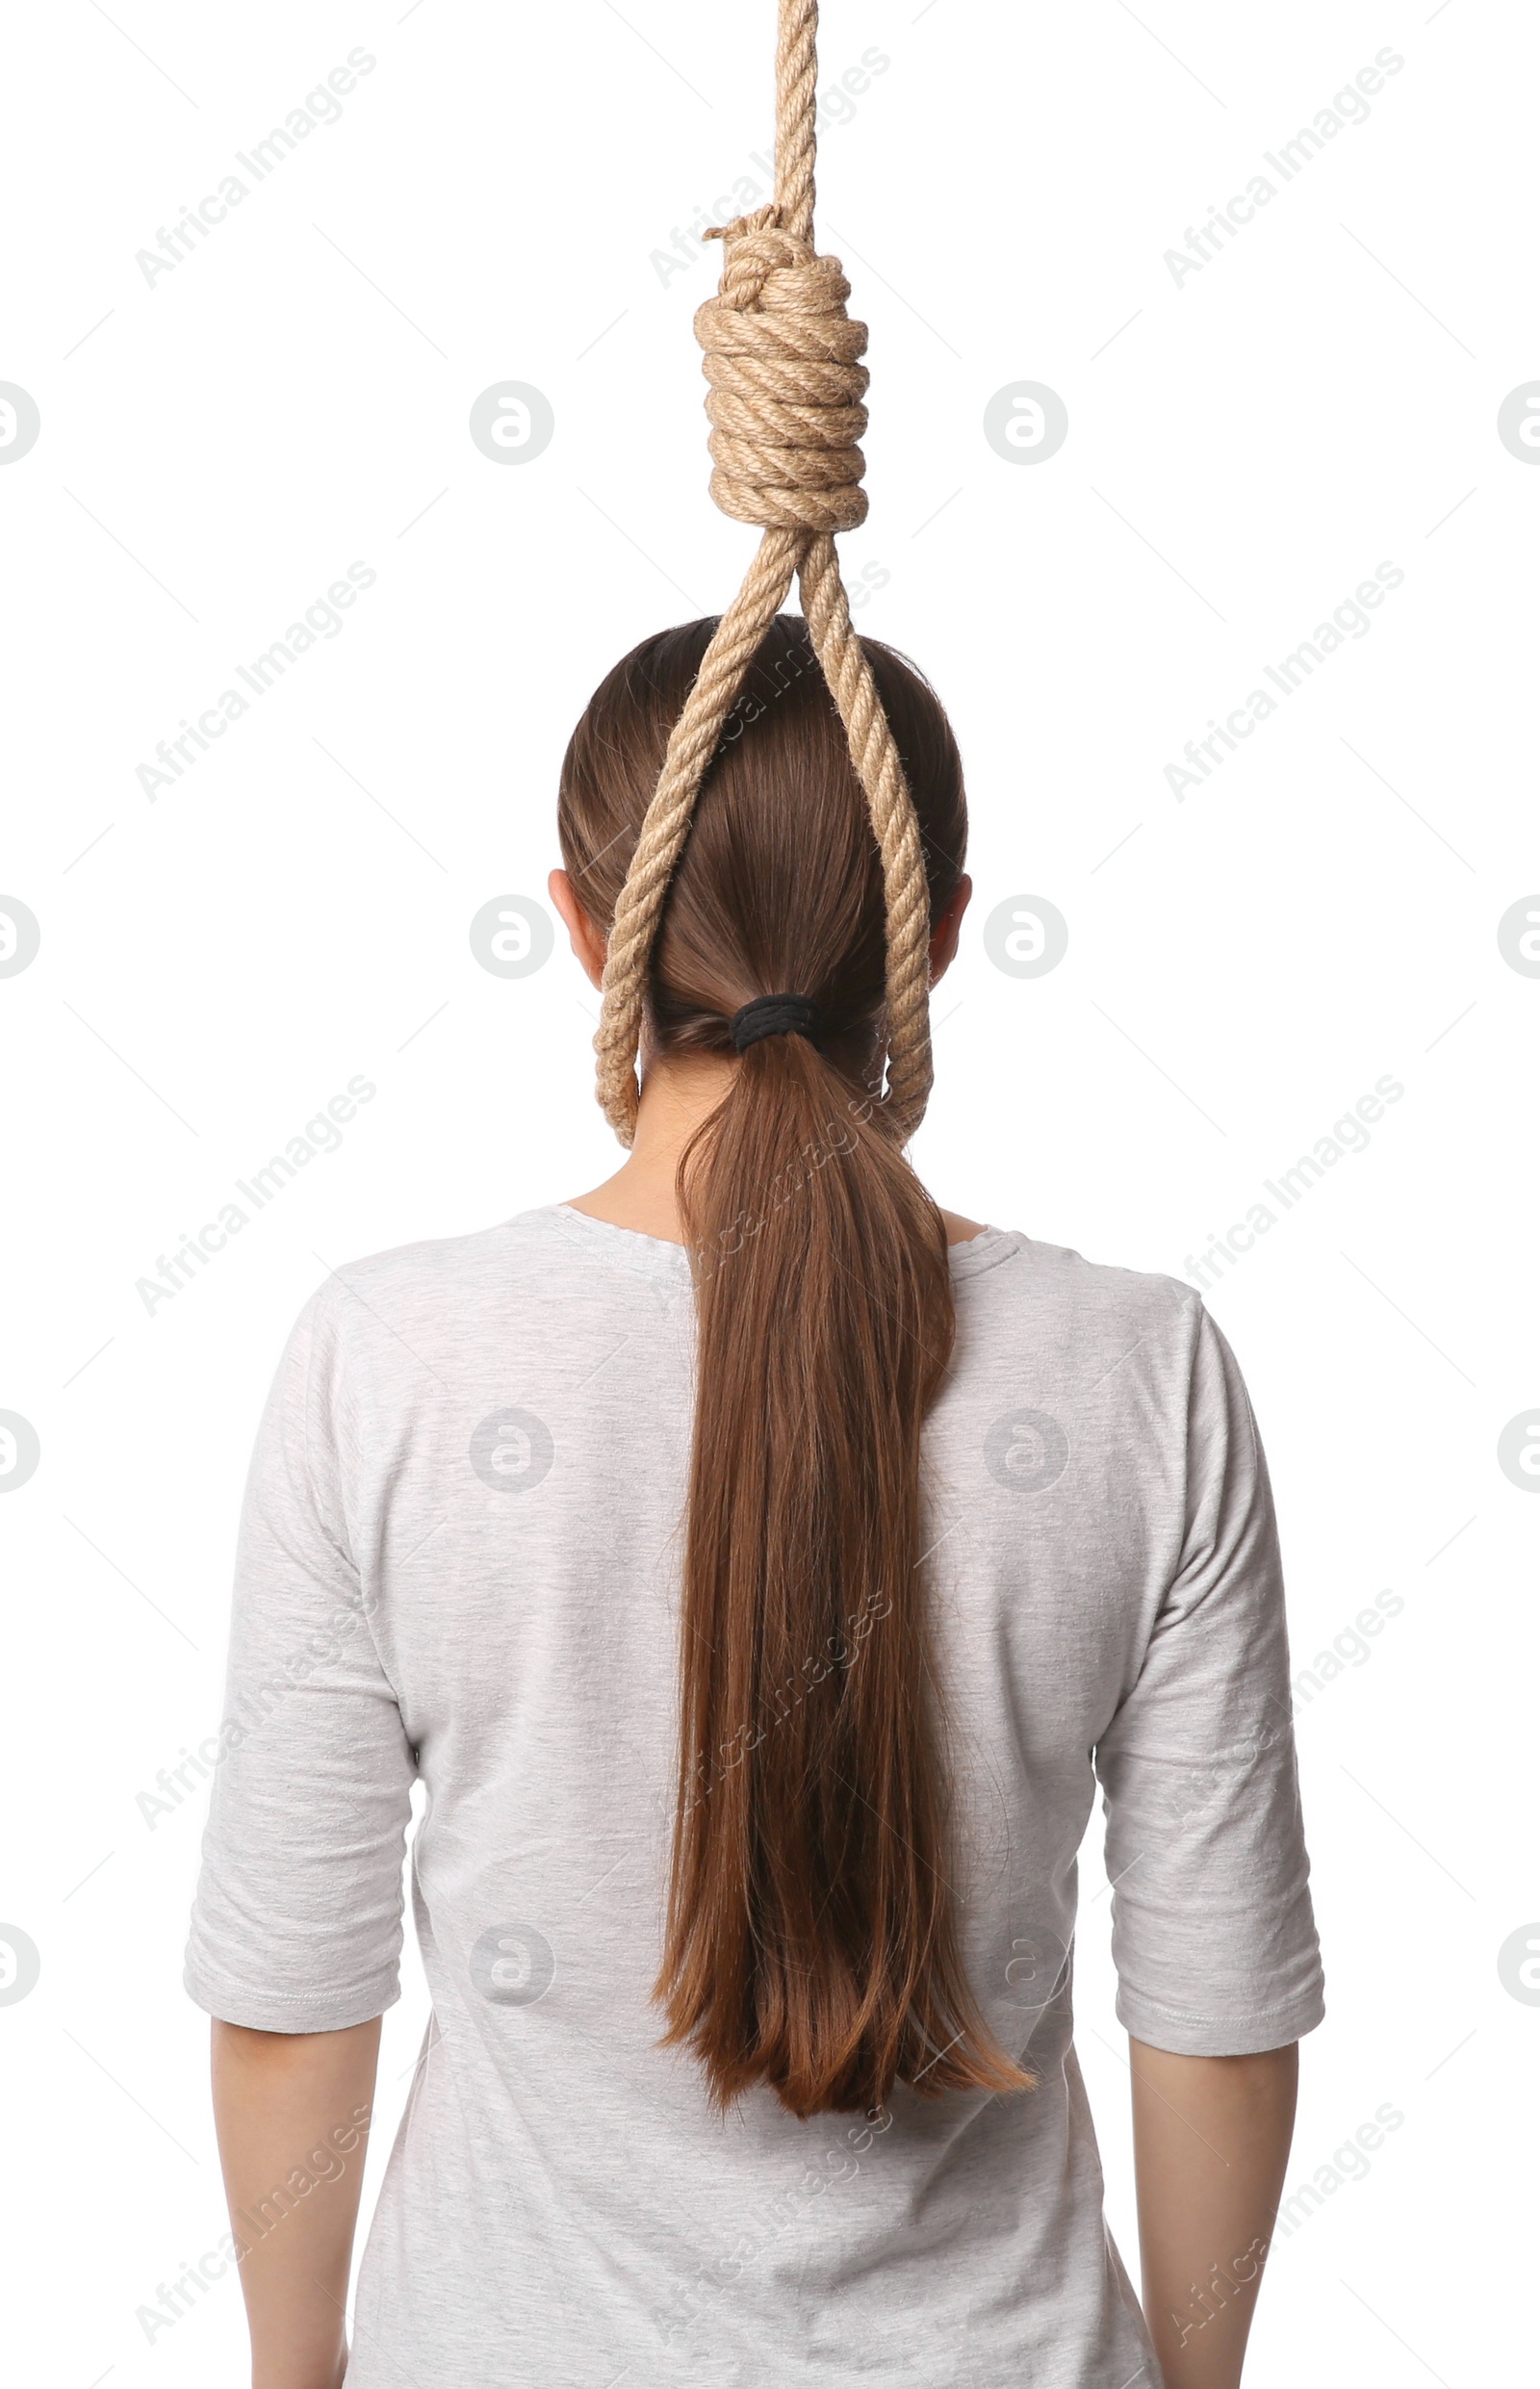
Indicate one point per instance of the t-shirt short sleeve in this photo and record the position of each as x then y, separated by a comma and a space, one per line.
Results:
1213, 1936
297, 1925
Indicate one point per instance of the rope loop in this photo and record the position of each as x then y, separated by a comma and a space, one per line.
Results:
783, 361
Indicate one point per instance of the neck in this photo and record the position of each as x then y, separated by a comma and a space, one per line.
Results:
679, 1092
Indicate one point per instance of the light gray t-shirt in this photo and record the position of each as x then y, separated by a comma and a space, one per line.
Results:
460, 1561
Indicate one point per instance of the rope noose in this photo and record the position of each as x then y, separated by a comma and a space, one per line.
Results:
781, 357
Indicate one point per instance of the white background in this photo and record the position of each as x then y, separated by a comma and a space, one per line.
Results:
1246, 446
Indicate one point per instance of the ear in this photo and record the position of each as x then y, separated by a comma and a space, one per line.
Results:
945, 936
587, 942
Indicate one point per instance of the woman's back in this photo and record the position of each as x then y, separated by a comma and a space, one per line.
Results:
462, 1558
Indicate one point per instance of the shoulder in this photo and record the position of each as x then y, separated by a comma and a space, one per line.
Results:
449, 1294
1008, 1266
439, 1266
1047, 1309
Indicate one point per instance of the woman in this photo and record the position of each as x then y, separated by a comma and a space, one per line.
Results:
758, 1568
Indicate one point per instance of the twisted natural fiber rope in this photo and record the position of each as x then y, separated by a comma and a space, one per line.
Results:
786, 418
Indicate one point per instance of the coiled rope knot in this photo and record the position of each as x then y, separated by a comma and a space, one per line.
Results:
786, 397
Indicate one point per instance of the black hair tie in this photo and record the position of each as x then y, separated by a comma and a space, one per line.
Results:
772, 1015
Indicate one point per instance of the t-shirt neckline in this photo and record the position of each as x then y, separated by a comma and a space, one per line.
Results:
657, 1256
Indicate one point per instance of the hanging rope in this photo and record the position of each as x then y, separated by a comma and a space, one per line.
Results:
781, 358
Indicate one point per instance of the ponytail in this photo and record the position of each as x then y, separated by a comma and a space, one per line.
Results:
809, 1942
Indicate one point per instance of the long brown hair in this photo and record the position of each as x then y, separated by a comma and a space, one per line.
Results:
812, 1940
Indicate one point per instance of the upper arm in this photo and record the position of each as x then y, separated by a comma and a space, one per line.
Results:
1213, 1933
297, 1921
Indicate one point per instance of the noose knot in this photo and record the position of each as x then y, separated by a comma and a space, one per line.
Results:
780, 356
